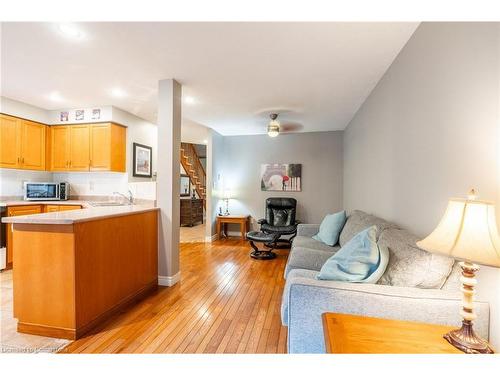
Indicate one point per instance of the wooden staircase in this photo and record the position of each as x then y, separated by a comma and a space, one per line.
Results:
191, 163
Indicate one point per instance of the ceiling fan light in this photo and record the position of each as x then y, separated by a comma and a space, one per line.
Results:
273, 130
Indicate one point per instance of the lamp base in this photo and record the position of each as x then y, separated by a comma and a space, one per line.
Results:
466, 340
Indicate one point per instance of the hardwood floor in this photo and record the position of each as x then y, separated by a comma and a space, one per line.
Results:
226, 302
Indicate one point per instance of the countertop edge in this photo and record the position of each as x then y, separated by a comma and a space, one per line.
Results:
90, 216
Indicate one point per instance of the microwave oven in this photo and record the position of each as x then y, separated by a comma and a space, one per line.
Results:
46, 191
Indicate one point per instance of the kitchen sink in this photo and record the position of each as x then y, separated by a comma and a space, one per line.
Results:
108, 204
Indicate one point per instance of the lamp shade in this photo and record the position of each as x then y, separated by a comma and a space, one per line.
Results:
227, 194
467, 231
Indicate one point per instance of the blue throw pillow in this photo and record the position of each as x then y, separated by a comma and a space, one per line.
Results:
359, 260
329, 230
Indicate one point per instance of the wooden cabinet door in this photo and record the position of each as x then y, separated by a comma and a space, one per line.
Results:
32, 145
60, 148
61, 207
10, 142
79, 155
51, 208
100, 147
69, 207
18, 211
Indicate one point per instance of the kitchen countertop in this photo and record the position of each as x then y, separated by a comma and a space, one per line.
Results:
73, 202
87, 213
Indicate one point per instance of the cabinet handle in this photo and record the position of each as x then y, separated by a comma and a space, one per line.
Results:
18, 160
23, 160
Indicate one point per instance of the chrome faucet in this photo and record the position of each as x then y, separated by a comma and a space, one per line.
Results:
130, 197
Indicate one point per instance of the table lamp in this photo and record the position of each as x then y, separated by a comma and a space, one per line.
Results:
227, 197
467, 231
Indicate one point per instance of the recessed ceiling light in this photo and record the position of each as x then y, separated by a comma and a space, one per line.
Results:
118, 93
71, 31
189, 100
55, 97
205, 141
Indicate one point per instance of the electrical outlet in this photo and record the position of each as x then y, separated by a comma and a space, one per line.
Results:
91, 185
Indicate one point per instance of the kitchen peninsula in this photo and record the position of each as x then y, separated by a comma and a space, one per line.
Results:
73, 269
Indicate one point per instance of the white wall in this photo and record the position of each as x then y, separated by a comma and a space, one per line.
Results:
12, 181
19, 109
428, 132
192, 132
138, 131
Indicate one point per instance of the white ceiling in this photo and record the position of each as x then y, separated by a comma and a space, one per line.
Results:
315, 74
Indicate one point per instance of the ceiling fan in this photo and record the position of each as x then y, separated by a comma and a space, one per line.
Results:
274, 128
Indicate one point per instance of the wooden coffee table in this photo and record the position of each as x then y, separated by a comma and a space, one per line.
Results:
360, 334
222, 222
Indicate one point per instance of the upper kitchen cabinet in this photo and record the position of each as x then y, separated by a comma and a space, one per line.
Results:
22, 143
88, 147
107, 147
79, 148
59, 148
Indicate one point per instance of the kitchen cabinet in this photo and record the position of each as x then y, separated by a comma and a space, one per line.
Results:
59, 147
79, 148
18, 211
107, 147
88, 147
31, 209
22, 143
60, 207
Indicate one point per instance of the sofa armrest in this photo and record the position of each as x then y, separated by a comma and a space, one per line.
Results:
307, 230
308, 299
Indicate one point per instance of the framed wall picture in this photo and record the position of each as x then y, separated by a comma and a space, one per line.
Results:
79, 114
185, 186
281, 177
142, 160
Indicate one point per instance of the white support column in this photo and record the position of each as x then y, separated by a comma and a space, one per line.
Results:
168, 184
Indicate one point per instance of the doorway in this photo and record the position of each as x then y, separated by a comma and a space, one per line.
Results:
193, 192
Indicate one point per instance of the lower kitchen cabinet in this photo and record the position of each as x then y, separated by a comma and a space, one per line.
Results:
31, 209
18, 211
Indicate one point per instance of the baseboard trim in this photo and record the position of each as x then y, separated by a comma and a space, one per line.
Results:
211, 238
169, 280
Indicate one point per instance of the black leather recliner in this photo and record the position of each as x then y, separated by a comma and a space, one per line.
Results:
280, 218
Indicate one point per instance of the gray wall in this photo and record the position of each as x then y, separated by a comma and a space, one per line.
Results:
215, 166
320, 155
430, 131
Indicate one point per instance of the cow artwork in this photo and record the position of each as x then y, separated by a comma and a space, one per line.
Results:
281, 177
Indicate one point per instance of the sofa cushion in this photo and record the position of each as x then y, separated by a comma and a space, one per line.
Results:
410, 266
310, 243
330, 227
359, 221
309, 259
